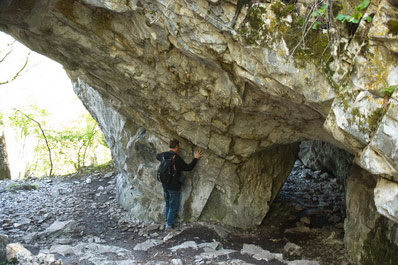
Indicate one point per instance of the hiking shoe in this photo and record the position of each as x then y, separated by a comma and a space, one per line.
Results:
169, 229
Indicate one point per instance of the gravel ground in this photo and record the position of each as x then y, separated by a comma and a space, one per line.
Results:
77, 219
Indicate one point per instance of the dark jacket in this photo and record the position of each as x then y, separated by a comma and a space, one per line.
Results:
180, 164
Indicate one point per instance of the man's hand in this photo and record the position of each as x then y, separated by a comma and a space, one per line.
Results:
198, 154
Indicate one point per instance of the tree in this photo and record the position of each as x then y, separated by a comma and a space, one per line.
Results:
60, 151
43, 134
4, 165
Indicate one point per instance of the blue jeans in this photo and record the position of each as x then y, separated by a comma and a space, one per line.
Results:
172, 198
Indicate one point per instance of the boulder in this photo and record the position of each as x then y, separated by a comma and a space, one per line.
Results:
381, 155
292, 249
259, 253
386, 199
59, 228
17, 253
144, 246
102, 254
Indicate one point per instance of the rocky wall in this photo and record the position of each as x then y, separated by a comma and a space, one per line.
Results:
326, 157
370, 238
219, 190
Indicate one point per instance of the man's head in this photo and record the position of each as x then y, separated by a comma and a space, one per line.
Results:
174, 145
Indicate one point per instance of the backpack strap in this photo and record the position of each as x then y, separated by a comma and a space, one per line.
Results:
173, 163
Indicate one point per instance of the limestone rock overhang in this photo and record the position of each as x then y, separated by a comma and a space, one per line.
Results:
181, 70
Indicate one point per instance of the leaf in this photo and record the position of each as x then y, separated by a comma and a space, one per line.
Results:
389, 90
315, 13
357, 16
323, 9
364, 4
316, 24
341, 17
368, 19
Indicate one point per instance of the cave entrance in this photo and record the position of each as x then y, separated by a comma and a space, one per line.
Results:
44, 128
309, 209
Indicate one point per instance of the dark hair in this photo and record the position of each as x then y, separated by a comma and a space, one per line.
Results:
174, 143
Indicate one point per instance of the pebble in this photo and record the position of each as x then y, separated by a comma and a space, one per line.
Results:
305, 220
293, 249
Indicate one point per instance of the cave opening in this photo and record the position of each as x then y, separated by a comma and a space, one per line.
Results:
45, 130
310, 208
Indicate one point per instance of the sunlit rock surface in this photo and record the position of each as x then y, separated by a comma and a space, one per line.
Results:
386, 199
242, 90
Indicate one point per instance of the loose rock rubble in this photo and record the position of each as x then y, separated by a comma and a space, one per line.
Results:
76, 220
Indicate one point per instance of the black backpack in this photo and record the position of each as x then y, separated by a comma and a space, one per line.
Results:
166, 170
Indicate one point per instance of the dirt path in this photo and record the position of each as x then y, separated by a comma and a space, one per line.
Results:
304, 223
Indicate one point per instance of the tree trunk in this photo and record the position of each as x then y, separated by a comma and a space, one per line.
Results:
4, 166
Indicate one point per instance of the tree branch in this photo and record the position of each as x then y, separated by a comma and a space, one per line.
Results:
5, 56
45, 139
88, 143
18, 73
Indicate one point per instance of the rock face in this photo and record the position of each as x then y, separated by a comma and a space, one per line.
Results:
231, 79
370, 238
326, 157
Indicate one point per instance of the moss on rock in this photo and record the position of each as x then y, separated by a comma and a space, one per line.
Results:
265, 25
282, 10
253, 27
374, 119
255, 18
317, 45
392, 26
379, 247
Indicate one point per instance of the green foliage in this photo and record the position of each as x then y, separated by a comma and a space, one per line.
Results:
72, 148
25, 122
357, 15
389, 90
321, 16
73, 143
23, 186
13, 186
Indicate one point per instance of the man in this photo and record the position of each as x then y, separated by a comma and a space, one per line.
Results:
172, 191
